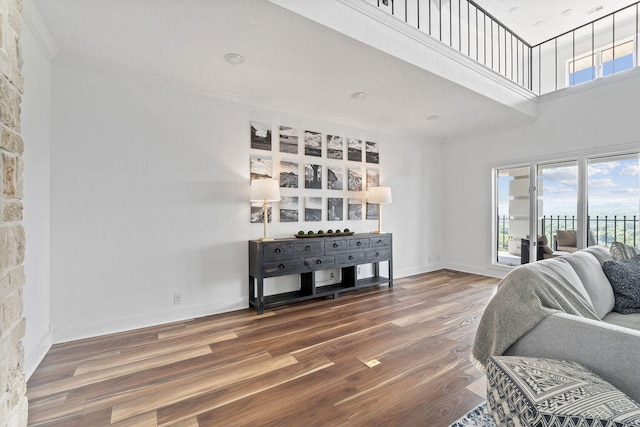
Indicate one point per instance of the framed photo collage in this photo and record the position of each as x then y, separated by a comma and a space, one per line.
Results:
323, 177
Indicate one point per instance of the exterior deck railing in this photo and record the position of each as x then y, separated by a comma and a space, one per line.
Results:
602, 47
603, 229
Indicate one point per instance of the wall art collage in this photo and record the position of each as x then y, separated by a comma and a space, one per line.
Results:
323, 177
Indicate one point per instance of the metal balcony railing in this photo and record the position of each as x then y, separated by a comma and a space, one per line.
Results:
600, 48
603, 229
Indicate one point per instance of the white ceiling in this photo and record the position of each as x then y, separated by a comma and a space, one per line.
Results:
536, 21
291, 63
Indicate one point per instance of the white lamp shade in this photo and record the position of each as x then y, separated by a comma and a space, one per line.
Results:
265, 189
379, 195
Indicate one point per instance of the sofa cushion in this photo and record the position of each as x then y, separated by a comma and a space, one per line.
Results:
594, 281
624, 276
620, 251
631, 321
527, 391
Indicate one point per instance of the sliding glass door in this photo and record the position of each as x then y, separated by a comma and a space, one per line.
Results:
557, 191
580, 202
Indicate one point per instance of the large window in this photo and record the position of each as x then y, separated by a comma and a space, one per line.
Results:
579, 202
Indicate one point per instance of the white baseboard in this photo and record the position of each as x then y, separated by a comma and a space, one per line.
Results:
77, 332
497, 272
405, 272
33, 359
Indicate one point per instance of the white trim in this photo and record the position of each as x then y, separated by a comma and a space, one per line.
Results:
490, 271
81, 331
33, 359
33, 20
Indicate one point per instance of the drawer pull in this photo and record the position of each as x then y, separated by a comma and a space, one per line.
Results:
307, 248
319, 261
358, 243
281, 266
350, 257
278, 250
335, 245
379, 241
377, 254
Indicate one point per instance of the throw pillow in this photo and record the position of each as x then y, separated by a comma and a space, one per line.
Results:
624, 277
620, 251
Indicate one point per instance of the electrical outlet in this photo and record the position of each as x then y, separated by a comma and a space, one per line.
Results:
333, 276
177, 299
359, 270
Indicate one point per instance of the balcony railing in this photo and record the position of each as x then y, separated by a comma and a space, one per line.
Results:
602, 47
469, 29
603, 229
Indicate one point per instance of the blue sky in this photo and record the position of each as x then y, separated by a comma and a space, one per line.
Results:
614, 188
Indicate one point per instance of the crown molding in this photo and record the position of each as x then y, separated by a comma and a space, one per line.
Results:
106, 69
33, 20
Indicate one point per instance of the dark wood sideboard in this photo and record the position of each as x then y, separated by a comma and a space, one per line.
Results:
305, 256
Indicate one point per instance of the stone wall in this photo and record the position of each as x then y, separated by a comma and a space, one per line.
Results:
13, 400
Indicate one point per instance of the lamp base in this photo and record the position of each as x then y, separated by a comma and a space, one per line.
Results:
266, 239
379, 232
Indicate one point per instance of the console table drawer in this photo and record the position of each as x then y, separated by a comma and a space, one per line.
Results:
359, 243
280, 267
378, 254
351, 257
382, 241
320, 262
277, 250
310, 248
335, 246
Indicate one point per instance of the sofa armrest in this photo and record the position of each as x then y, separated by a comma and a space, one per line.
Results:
612, 351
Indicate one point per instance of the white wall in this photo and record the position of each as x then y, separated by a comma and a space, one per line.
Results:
36, 107
594, 118
149, 197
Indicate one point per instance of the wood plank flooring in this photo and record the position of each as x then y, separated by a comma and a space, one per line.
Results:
298, 365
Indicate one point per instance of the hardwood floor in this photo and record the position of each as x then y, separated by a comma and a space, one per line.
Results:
298, 365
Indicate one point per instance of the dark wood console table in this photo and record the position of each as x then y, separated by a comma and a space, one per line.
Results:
305, 256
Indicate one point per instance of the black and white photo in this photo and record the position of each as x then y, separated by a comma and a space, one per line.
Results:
289, 209
354, 149
313, 209
288, 174
261, 167
312, 143
373, 178
373, 153
354, 179
335, 147
288, 140
260, 136
355, 209
257, 214
335, 178
313, 176
372, 210
335, 208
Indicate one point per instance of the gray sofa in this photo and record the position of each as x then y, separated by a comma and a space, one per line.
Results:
561, 308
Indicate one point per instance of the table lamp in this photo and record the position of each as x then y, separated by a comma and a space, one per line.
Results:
265, 190
379, 195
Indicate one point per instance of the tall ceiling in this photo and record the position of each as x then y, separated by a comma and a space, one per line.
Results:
291, 64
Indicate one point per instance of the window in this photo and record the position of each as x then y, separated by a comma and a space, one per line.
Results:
601, 63
597, 199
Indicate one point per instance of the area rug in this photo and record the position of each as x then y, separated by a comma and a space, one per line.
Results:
477, 417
